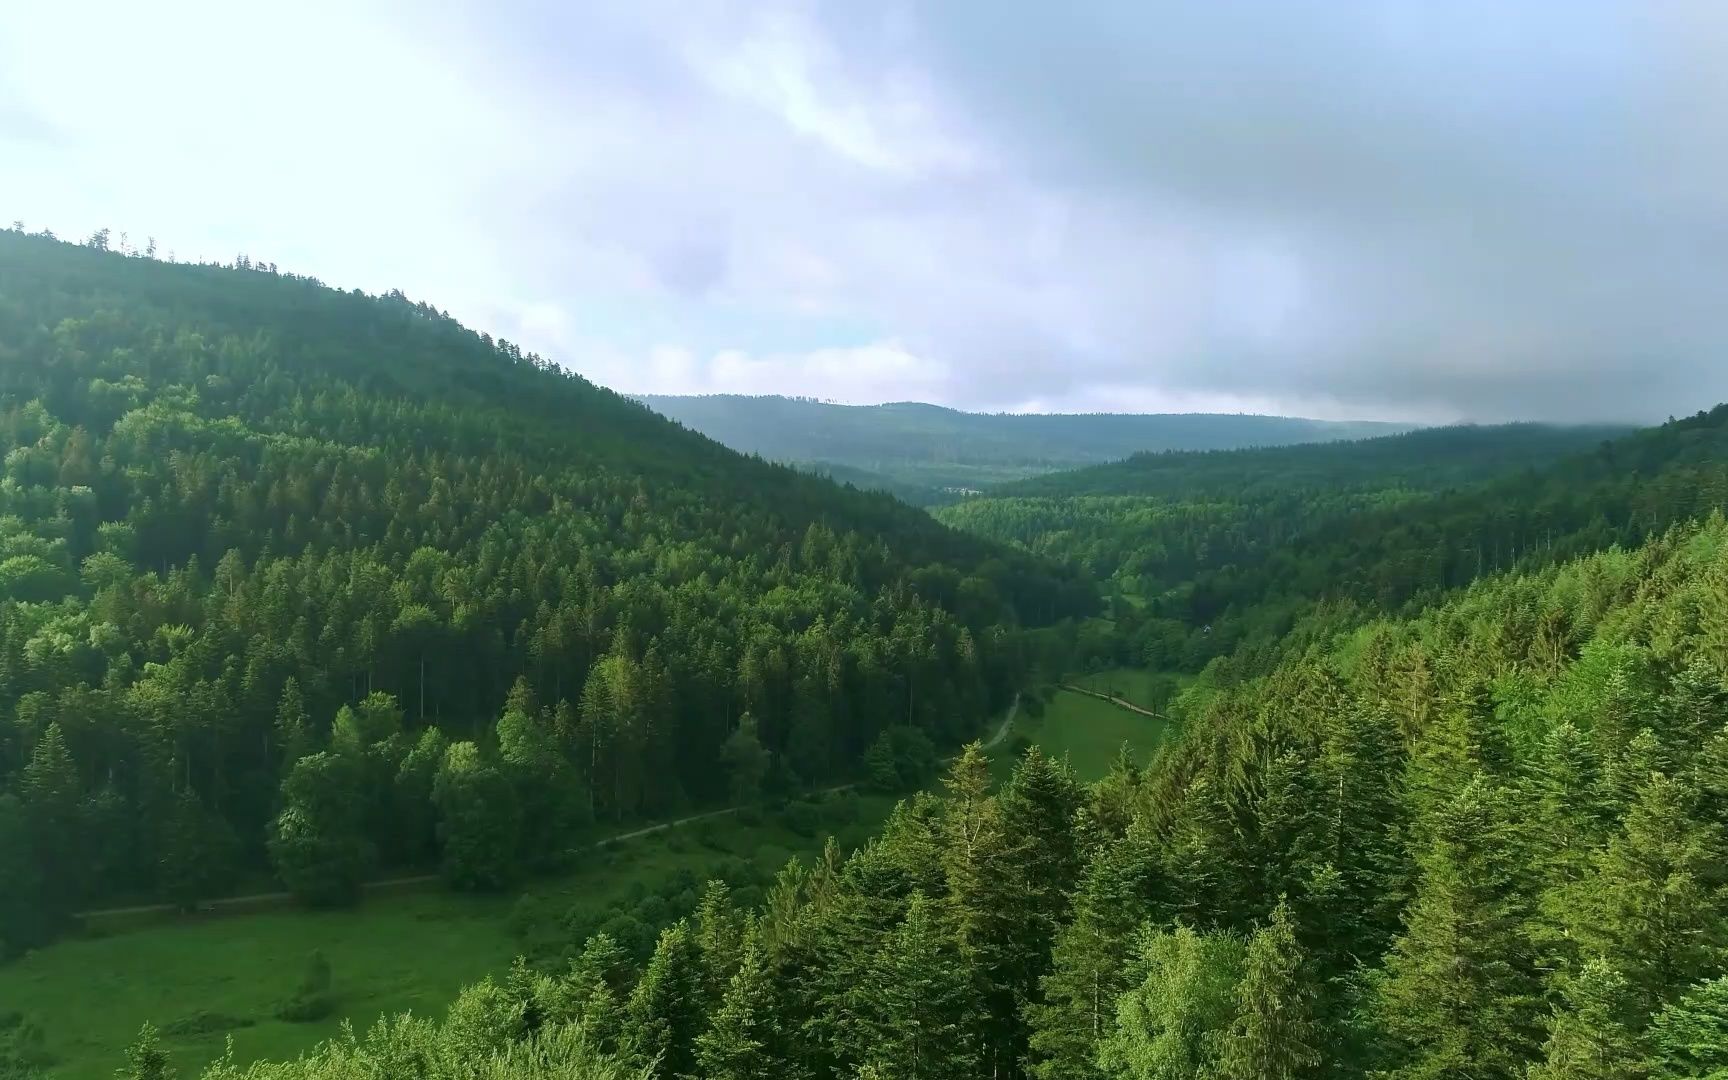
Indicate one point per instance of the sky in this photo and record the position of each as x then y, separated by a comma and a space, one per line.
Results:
1332, 208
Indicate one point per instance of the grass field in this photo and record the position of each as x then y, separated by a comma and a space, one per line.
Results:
1133, 684
203, 979
1088, 733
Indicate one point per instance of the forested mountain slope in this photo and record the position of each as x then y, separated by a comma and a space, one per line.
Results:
328, 579
916, 450
1177, 529
1408, 555
1427, 459
1486, 842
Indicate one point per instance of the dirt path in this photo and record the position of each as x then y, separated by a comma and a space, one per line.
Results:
1007, 724
272, 899
1129, 705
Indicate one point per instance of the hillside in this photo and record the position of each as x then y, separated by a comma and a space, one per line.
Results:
1429, 459
917, 450
305, 583
1487, 841
1178, 528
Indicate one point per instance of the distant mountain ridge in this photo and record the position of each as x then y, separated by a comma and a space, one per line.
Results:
917, 450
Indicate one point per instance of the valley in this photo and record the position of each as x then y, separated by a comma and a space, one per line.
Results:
686, 763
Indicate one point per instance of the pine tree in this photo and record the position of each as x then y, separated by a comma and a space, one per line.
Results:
1689, 1037
1460, 993
1201, 857
590, 993
52, 794
917, 1010
989, 905
719, 936
1654, 908
742, 1041
1038, 805
1593, 1034
1275, 1035
293, 727
1076, 1007
746, 761
664, 1015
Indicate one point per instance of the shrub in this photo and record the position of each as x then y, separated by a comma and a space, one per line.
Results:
802, 818
312, 1000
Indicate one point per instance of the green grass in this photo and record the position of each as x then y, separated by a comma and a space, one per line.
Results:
1133, 684
1087, 732
393, 953
92, 995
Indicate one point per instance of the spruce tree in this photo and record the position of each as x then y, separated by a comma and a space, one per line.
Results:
145, 1058
1275, 1035
917, 1011
1076, 1005
1593, 1034
1689, 1037
989, 903
1038, 806
743, 1039
719, 936
1654, 908
1460, 992
664, 1014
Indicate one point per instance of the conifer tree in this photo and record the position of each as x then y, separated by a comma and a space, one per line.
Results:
664, 1015
1593, 1033
1460, 991
145, 1058
1689, 1037
591, 992
293, 726
719, 937
989, 904
742, 1041
1654, 908
1275, 1035
1076, 1007
917, 1010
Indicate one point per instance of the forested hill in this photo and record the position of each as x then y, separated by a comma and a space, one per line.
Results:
257, 534
1487, 842
916, 450
1431, 458
1409, 553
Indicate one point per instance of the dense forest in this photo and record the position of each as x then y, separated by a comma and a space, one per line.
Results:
1486, 841
313, 583
1217, 574
922, 453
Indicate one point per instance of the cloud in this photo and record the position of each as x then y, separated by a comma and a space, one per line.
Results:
1399, 209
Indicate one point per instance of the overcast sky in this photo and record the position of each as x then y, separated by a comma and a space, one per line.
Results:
1372, 209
